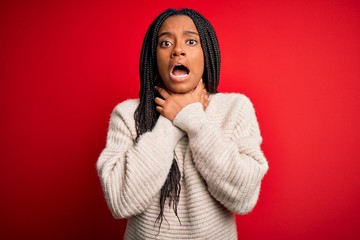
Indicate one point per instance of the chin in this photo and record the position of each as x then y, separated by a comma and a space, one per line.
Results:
179, 90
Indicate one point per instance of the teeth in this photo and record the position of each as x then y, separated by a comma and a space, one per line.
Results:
180, 77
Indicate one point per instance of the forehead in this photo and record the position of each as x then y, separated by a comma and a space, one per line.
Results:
178, 22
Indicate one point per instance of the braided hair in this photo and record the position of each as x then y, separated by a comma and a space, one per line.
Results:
146, 114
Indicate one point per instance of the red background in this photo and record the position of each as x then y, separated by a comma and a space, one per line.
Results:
65, 65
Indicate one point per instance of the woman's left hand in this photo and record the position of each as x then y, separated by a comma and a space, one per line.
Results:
172, 103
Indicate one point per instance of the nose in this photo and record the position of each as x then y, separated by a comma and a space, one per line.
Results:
178, 51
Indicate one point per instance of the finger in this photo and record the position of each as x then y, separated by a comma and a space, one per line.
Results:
206, 95
162, 92
204, 104
159, 109
159, 101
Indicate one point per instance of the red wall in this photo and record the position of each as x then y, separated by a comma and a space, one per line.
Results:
65, 65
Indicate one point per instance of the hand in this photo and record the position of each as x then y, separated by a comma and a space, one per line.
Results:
172, 103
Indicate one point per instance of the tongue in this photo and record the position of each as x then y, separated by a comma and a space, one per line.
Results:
179, 72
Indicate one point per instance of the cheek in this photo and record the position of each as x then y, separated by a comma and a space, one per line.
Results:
201, 64
160, 64
158, 61
200, 57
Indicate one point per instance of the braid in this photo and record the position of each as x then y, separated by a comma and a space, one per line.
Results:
146, 115
211, 52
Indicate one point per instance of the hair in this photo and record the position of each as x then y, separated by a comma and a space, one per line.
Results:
146, 114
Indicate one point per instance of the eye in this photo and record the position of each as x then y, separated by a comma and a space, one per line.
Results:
191, 42
165, 44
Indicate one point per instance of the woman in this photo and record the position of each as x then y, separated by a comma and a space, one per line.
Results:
182, 153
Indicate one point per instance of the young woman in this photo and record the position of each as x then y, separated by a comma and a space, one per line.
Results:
180, 161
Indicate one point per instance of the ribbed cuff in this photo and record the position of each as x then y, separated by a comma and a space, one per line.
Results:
167, 128
191, 118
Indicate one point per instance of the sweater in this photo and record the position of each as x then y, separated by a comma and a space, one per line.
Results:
219, 156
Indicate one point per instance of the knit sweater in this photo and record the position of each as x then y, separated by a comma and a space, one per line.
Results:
220, 160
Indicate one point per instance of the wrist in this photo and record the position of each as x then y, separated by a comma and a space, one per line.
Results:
191, 117
168, 129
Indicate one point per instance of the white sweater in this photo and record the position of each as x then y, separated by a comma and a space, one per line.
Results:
220, 160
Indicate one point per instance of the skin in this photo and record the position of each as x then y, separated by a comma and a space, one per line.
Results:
179, 43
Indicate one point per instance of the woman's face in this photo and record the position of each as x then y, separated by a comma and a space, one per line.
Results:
179, 54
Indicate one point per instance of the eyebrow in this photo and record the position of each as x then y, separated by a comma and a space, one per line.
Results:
188, 32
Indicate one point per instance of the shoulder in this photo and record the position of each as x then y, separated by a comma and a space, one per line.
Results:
122, 117
230, 109
127, 107
231, 101
124, 112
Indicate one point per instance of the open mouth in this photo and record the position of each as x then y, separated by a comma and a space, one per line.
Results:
180, 71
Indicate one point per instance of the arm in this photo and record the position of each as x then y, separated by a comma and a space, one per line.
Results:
231, 162
131, 173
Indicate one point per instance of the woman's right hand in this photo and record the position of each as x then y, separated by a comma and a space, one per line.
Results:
173, 103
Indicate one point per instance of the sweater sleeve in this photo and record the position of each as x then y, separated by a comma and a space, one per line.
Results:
231, 162
132, 174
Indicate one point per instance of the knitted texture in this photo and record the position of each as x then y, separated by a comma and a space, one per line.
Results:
220, 160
